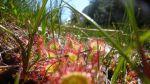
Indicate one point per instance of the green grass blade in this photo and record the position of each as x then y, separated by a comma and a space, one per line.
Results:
35, 28
117, 70
145, 36
38, 20
44, 23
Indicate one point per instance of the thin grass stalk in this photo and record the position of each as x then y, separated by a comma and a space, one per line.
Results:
18, 76
35, 28
44, 23
51, 19
59, 15
117, 70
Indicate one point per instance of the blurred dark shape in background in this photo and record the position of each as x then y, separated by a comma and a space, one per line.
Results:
108, 12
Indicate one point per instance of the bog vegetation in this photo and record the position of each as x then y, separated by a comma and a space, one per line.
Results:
36, 47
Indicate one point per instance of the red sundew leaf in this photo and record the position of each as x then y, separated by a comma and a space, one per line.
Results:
42, 52
72, 43
52, 54
54, 78
72, 56
76, 78
45, 68
64, 64
66, 50
39, 46
95, 58
97, 44
63, 69
38, 39
52, 67
54, 45
81, 60
43, 72
132, 76
52, 61
79, 67
70, 67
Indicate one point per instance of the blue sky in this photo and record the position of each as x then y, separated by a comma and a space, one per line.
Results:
78, 4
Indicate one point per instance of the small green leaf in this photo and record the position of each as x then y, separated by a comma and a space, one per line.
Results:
145, 36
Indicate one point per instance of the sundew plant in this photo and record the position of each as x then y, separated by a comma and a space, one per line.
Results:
36, 47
